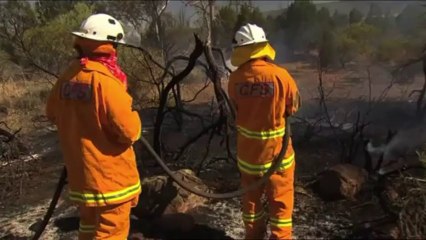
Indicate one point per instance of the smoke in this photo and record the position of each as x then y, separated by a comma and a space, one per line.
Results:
405, 142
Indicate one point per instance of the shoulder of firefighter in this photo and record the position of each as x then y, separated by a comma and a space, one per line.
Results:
97, 127
263, 83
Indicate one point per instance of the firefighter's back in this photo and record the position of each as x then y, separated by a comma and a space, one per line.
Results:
259, 88
97, 162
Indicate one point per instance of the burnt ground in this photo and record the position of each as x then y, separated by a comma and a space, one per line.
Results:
214, 220
313, 217
30, 188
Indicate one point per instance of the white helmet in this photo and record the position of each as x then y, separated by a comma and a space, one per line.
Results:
101, 27
249, 34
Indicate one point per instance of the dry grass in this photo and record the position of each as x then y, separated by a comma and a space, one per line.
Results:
412, 218
23, 100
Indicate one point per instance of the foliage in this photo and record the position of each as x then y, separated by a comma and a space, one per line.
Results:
48, 10
142, 75
339, 19
137, 13
355, 16
300, 25
357, 40
224, 26
375, 15
327, 49
37, 35
393, 50
20, 18
50, 44
324, 19
248, 14
411, 20
229, 19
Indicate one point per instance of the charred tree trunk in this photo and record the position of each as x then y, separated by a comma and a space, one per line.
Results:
420, 108
216, 79
196, 53
177, 113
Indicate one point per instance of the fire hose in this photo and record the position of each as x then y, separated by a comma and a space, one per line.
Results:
237, 193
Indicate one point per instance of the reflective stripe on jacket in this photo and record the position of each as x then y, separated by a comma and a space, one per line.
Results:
262, 135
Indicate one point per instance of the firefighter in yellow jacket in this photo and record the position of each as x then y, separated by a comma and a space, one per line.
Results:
264, 94
92, 110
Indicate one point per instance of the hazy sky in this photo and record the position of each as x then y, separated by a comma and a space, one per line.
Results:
175, 6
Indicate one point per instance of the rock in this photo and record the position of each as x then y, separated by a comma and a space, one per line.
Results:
340, 181
160, 195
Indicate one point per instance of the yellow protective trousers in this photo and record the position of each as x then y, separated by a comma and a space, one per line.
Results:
106, 222
279, 192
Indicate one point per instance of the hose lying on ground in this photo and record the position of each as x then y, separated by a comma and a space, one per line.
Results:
275, 165
61, 183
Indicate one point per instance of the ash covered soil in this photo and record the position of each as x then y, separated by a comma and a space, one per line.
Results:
313, 218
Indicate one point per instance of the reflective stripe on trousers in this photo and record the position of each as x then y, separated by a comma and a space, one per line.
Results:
259, 169
280, 222
253, 217
261, 135
85, 228
109, 197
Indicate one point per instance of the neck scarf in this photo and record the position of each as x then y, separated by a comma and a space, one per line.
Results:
109, 61
101, 52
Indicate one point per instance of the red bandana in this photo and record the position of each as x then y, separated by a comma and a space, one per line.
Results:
110, 62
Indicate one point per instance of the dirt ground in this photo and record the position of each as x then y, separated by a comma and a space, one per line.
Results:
30, 190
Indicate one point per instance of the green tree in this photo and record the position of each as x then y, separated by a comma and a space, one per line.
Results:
375, 16
394, 50
224, 26
327, 49
137, 13
257, 17
357, 41
50, 45
176, 35
48, 10
30, 43
340, 20
249, 14
324, 18
411, 20
345, 49
228, 20
355, 16
300, 26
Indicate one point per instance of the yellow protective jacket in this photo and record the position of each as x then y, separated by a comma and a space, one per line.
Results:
263, 94
97, 127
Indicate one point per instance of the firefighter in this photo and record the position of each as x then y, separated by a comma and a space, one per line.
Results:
97, 127
263, 95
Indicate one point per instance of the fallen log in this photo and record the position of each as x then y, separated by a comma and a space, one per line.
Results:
340, 181
160, 195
